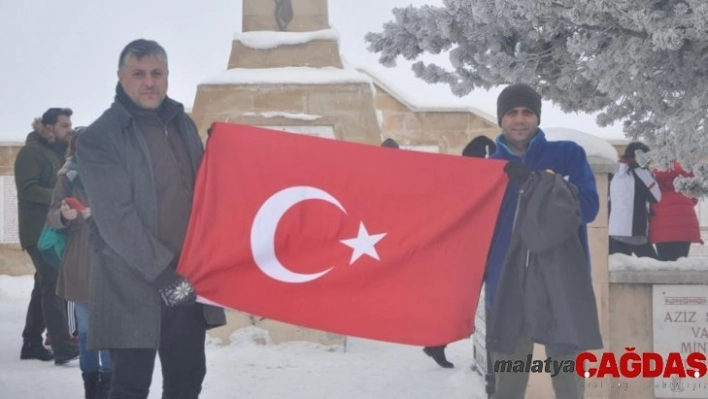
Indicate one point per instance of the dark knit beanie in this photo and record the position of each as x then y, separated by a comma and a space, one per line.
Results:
518, 95
390, 143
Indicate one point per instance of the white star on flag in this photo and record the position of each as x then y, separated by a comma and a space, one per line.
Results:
363, 244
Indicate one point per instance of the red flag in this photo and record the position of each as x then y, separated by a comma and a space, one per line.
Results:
343, 237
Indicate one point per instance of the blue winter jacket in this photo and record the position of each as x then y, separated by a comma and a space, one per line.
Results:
564, 157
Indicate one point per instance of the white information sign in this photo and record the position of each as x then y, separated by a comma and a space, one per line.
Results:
680, 318
8, 211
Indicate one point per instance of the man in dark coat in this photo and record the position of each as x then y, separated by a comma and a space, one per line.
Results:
36, 168
524, 144
138, 163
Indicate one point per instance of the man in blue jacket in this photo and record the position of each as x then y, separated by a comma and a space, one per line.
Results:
524, 144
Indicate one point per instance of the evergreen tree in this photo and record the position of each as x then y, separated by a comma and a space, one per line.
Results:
643, 62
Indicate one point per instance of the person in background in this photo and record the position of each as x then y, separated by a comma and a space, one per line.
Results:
673, 226
36, 168
390, 143
632, 190
480, 147
75, 271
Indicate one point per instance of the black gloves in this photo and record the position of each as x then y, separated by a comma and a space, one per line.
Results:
174, 289
517, 172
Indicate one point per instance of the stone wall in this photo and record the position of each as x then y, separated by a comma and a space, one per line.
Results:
316, 53
13, 261
348, 108
450, 130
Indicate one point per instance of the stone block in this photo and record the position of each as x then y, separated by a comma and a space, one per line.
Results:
14, 261
597, 238
292, 98
359, 127
630, 315
336, 97
434, 123
215, 102
394, 122
8, 153
479, 123
386, 102
601, 180
318, 53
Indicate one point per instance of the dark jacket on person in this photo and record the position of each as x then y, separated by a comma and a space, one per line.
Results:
75, 270
36, 168
131, 246
545, 290
566, 158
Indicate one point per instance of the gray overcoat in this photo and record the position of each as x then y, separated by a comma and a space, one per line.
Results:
116, 170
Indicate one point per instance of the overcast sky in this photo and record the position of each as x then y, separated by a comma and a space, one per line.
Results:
65, 53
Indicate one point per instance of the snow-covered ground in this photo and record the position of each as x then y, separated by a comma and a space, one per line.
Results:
245, 369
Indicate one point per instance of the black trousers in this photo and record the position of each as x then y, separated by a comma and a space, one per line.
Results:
45, 307
643, 250
183, 332
670, 251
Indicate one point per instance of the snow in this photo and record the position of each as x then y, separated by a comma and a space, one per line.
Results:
623, 263
594, 146
247, 369
264, 40
288, 76
288, 115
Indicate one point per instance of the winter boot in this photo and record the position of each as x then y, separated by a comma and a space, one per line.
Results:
91, 384
438, 354
35, 350
104, 386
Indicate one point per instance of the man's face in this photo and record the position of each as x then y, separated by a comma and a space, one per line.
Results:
519, 125
144, 81
61, 129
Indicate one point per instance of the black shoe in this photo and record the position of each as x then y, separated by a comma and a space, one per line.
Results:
68, 354
438, 354
35, 350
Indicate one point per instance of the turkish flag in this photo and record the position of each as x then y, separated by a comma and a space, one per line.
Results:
348, 238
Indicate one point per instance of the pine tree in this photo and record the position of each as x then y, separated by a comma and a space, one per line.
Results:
642, 62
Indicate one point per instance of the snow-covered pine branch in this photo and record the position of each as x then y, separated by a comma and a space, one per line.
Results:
642, 62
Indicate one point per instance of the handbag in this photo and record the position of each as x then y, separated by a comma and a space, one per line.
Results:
51, 245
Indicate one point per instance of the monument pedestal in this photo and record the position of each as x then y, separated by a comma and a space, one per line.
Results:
285, 73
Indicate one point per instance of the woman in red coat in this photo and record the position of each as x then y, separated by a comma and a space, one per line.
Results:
674, 225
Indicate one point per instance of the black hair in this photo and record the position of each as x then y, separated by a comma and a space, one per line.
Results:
51, 116
479, 147
632, 148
